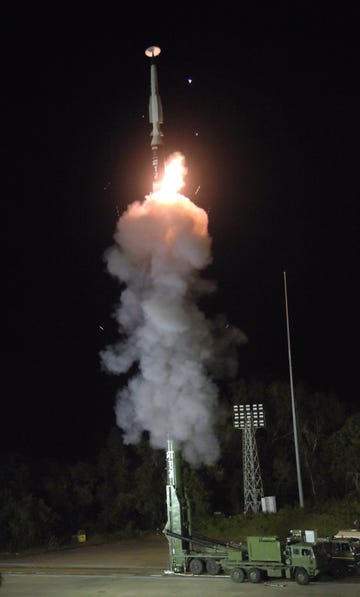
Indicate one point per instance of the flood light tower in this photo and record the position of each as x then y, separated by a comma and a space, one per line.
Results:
248, 418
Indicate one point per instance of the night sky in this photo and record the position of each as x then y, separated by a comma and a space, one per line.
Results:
270, 130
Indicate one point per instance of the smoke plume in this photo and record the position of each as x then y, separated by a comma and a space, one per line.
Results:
161, 246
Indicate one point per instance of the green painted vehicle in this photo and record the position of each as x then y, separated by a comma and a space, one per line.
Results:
343, 554
270, 557
256, 559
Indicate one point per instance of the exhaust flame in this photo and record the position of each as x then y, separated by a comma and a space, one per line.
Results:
161, 246
174, 177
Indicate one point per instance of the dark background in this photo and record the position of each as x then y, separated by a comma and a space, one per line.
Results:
270, 130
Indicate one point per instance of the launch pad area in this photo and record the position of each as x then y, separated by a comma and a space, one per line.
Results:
148, 555
134, 567
159, 586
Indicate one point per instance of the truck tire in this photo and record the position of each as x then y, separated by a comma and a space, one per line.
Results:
212, 567
237, 575
301, 576
196, 566
254, 575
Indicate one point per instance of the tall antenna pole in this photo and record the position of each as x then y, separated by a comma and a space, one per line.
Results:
298, 469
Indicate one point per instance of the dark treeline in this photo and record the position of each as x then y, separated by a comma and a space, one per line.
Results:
44, 502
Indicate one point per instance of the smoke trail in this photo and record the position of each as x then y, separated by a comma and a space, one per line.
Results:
162, 244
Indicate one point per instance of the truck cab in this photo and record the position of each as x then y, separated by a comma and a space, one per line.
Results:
305, 556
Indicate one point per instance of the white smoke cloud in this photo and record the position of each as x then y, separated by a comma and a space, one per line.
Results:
160, 249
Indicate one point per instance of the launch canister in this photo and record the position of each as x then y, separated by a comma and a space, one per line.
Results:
156, 119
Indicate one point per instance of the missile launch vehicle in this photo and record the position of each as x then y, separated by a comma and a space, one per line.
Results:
255, 559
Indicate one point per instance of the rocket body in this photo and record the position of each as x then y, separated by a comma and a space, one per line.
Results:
155, 108
178, 524
156, 119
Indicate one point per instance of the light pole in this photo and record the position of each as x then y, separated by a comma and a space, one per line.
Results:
248, 418
298, 468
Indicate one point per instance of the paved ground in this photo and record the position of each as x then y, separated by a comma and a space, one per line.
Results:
135, 568
145, 556
53, 585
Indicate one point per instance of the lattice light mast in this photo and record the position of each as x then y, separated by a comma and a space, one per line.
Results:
248, 418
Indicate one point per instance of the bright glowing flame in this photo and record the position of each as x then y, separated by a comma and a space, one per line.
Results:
175, 172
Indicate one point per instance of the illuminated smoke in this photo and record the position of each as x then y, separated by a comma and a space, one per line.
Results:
161, 246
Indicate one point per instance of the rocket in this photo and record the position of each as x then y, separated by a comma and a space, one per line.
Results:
178, 525
156, 119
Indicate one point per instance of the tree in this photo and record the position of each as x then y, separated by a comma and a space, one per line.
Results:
196, 485
25, 521
115, 494
319, 416
343, 456
278, 453
55, 488
82, 486
149, 486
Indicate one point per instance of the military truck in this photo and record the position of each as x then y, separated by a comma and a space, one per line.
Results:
254, 559
270, 557
343, 554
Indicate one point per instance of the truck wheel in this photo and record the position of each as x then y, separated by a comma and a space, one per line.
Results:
212, 567
196, 566
254, 575
301, 576
237, 575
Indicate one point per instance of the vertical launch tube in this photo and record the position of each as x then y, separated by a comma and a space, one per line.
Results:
178, 510
173, 490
